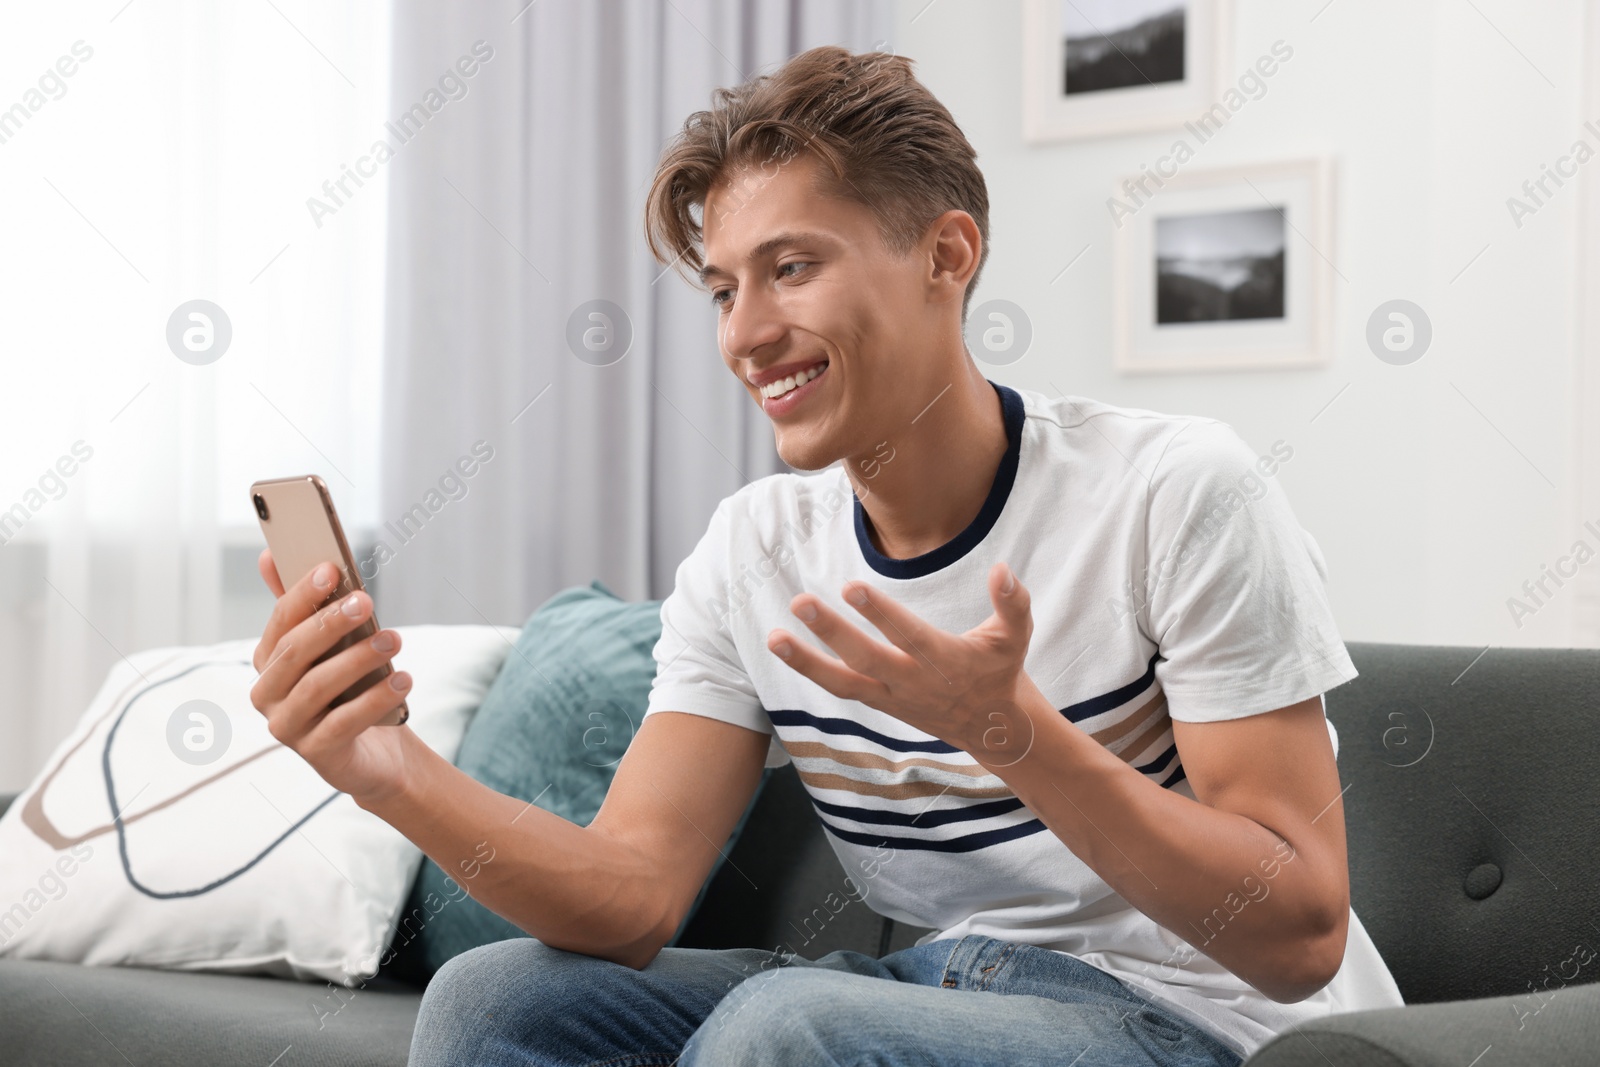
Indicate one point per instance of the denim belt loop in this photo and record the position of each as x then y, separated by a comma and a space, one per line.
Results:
975, 961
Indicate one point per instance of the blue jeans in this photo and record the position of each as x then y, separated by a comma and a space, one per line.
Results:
973, 1001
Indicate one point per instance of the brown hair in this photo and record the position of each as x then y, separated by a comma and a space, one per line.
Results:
889, 144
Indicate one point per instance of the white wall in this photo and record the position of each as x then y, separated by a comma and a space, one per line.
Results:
1428, 516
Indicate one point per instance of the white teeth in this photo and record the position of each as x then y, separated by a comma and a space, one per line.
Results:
778, 388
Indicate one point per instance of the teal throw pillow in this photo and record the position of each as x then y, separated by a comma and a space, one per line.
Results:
551, 730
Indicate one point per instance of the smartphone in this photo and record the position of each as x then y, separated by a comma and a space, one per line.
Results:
302, 529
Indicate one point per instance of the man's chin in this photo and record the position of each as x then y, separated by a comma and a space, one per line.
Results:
806, 455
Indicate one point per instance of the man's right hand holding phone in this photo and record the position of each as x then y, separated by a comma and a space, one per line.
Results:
616, 888
294, 695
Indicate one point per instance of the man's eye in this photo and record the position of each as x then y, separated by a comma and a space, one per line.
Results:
793, 263
716, 297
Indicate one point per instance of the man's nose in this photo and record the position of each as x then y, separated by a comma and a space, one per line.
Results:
752, 323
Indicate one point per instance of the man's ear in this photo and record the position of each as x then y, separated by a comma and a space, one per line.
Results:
954, 248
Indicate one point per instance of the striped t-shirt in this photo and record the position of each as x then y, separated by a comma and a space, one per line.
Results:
1169, 580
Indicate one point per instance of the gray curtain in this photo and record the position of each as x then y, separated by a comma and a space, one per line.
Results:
516, 198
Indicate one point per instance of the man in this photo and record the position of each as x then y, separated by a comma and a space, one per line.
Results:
1051, 671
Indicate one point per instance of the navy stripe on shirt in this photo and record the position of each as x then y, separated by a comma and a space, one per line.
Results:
1086, 709
829, 725
965, 843
968, 843
1159, 764
985, 810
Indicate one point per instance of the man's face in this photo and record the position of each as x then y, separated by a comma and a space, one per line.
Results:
803, 284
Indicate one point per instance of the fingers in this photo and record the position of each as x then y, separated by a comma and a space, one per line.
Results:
860, 651
825, 670
1014, 607
290, 720
904, 629
293, 607
341, 725
269, 572
300, 648
871, 668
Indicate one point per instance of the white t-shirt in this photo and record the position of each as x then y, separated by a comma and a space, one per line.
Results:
1169, 580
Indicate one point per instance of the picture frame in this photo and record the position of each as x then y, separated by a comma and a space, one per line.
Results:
1093, 68
1225, 269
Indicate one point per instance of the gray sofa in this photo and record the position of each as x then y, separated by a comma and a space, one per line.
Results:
1473, 865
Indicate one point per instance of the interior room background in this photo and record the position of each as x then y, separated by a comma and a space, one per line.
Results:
383, 329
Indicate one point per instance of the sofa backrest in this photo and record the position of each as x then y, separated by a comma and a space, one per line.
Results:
1471, 815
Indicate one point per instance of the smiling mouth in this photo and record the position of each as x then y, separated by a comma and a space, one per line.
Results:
782, 386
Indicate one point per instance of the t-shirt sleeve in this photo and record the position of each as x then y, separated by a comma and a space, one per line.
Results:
1236, 592
698, 669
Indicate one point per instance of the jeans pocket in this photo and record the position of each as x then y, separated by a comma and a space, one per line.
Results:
1181, 1037
1158, 1025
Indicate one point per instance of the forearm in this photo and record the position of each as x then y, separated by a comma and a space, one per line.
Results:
570, 887
1234, 889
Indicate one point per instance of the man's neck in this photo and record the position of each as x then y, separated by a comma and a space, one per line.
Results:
932, 476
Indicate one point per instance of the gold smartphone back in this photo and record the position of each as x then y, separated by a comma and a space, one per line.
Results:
302, 528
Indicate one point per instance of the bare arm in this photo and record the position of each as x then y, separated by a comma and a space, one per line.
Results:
616, 889
1253, 873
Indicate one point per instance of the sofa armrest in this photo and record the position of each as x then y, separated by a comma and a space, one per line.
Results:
5, 801
1561, 1027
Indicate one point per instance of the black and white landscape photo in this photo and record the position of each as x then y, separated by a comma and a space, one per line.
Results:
1120, 44
1220, 266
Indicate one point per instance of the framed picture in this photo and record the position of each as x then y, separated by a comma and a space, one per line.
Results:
1225, 269
1098, 67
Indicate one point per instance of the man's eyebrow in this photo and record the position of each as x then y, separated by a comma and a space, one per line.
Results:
770, 245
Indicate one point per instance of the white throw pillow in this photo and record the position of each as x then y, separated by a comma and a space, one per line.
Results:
229, 852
